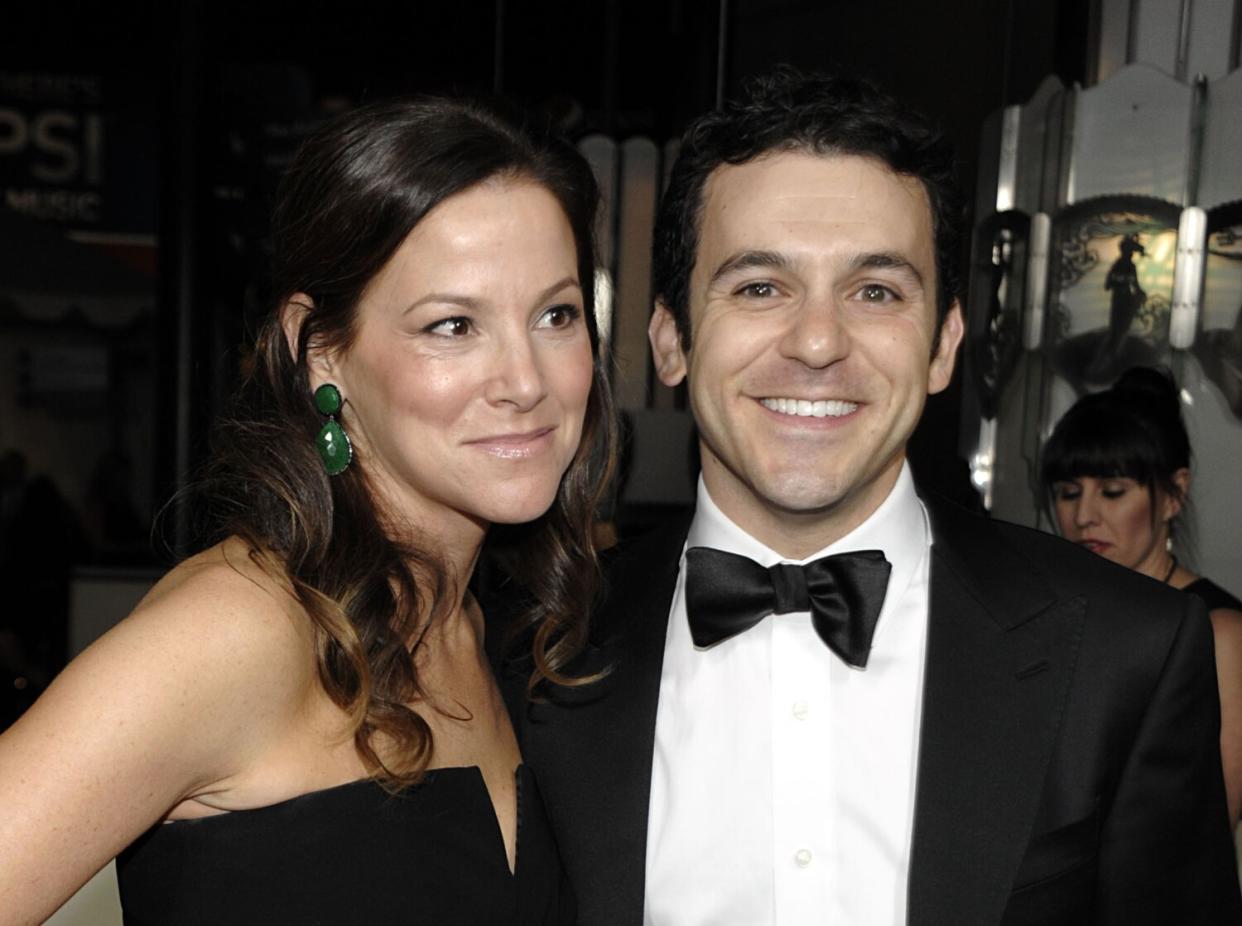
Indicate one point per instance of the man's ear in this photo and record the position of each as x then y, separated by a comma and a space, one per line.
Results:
318, 359
943, 360
670, 359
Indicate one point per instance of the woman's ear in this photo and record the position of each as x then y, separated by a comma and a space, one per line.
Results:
1173, 504
292, 316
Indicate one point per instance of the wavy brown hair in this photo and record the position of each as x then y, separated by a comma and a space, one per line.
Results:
353, 193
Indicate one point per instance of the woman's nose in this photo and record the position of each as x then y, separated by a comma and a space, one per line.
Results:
1086, 510
517, 375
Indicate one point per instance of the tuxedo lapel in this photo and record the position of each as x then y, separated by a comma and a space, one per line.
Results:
591, 747
1000, 655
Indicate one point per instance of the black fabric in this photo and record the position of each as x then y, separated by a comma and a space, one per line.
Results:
1213, 595
352, 854
1069, 757
727, 594
596, 740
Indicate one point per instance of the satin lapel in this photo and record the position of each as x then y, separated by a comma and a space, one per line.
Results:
1000, 654
591, 747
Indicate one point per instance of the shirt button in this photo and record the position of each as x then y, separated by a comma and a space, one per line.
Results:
802, 858
801, 709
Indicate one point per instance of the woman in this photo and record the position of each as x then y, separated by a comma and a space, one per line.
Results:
305, 708
1117, 470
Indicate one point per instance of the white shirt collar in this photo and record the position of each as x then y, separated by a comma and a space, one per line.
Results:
898, 527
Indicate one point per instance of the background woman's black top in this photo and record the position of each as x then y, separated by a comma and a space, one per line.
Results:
1213, 595
352, 854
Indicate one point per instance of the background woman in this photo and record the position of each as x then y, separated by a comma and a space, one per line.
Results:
298, 724
1117, 470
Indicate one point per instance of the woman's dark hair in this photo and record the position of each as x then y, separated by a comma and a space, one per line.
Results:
355, 190
821, 114
1132, 430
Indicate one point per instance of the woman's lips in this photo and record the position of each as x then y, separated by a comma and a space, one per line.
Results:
1095, 546
516, 445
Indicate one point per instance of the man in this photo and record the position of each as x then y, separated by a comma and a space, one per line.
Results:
983, 724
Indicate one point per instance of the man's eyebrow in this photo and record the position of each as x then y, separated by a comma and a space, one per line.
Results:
871, 260
747, 260
886, 260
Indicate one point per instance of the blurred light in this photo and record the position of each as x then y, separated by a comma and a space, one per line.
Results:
983, 460
603, 305
1037, 280
1187, 277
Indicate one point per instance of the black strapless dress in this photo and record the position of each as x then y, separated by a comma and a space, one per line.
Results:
352, 854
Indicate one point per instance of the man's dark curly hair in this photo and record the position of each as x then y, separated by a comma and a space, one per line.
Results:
789, 110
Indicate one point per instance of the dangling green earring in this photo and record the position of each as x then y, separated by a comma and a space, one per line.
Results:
332, 443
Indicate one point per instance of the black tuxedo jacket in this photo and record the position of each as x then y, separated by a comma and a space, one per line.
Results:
1069, 768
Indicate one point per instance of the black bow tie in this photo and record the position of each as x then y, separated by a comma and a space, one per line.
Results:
727, 594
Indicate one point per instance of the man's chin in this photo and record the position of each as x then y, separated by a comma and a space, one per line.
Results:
798, 497
799, 493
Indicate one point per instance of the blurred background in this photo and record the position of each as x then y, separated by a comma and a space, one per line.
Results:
141, 142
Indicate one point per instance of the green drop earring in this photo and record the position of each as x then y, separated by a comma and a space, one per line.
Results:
332, 442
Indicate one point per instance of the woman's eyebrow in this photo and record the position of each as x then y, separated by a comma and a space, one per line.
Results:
567, 283
470, 303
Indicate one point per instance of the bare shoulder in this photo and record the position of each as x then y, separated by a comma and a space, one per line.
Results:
219, 625
227, 577
221, 598
218, 643
182, 695
1227, 627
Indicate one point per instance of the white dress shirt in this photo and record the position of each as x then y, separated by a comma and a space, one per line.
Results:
782, 783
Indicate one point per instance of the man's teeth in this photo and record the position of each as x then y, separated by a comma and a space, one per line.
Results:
804, 408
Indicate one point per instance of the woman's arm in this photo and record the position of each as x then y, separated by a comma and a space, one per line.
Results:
173, 701
1227, 627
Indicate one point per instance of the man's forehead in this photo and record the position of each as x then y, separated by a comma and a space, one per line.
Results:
786, 191
801, 175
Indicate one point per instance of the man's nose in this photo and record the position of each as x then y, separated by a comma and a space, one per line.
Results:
817, 336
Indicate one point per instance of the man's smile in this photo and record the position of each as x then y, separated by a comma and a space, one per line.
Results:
810, 408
